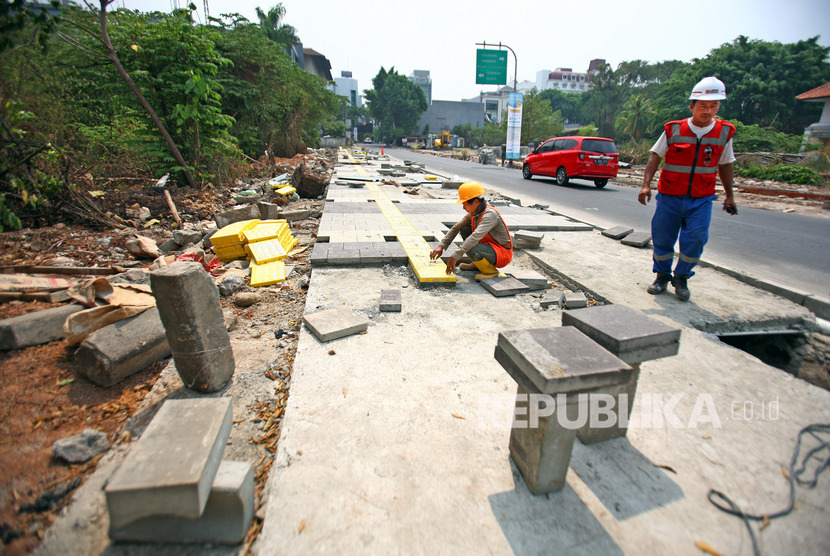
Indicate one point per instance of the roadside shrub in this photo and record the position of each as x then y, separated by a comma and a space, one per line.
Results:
635, 152
754, 138
784, 173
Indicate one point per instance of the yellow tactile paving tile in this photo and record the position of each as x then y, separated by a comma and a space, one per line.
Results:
268, 251
265, 230
267, 274
286, 190
232, 233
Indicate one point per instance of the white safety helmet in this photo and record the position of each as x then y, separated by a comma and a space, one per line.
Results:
709, 88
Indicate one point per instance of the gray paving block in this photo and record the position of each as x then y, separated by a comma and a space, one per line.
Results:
269, 211
225, 519
194, 325
637, 239
320, 254
171, 468
550, 299
627, 333
573, 300
527, 276
390, 301
560, 359
35, 328
527, 235
114, 352
247, 212
335, 323
617, 232
504, 286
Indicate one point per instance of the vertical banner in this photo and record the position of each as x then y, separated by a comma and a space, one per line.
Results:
354, 134
514, 125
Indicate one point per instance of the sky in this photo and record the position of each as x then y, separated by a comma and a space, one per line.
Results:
441, 36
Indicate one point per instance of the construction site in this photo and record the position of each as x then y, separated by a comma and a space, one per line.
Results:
280, 368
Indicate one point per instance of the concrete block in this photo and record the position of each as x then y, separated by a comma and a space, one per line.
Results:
225, 519
543, 453
573, 300
627, 333
525, 235
820, 306
114, 352
781, 290
528, 277
558, 360
390, 301
550, 299
194, 325
35, 328
247, 212
617, 232
335, 323
269, 211
172, 467
501, 287
637, 239
294, 215
320, 254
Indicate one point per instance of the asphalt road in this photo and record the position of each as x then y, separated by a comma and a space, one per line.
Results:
787, 248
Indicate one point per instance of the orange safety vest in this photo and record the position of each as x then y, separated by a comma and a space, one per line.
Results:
504, 254
691, 164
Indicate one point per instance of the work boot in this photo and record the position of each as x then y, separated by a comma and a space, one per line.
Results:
467, 266
661, 283
681, 290
487, 270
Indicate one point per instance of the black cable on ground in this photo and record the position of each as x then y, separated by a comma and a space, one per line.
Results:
724, 504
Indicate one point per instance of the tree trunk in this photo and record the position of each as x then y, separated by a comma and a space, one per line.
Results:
102, 19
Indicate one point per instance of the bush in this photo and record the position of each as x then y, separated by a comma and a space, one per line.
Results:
783, 173
635, 152
754, 138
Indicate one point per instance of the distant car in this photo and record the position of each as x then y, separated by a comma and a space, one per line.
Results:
368, 140
591, 158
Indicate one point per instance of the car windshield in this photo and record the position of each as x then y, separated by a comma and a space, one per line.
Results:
596, 146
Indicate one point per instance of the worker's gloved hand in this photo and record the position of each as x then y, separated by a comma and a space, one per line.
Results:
435, 253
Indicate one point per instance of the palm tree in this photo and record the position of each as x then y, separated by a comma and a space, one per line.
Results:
273, 27
636, 116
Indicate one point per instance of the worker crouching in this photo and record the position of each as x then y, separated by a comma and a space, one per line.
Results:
487, 239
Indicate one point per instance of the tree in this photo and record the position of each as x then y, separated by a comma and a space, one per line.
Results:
636, 118
762, 79
539, 121
396, 103
273, 27
568, 104
603, 101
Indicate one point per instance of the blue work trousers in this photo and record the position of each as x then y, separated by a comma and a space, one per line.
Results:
684, 216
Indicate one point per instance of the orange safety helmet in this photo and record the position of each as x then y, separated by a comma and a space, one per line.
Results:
469, 190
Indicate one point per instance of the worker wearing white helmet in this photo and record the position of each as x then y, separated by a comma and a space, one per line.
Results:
486, 237
697, 150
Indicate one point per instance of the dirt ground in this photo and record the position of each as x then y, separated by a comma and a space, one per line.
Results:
46, 399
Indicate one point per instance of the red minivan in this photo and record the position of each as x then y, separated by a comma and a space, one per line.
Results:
592, 158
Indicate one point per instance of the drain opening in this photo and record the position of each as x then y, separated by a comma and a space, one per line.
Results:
782, 349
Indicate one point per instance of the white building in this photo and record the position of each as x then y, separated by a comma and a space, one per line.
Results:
346, 86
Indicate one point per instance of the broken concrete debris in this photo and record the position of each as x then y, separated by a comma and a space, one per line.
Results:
194, 325
173, 485
81, 447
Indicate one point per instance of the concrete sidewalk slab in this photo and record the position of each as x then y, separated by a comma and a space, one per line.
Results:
335, 323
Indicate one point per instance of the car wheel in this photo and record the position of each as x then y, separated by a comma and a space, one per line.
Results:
526, 173
561, 176
601, 182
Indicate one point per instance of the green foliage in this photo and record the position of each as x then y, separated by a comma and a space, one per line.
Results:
278, 107
17, 15
489, 134
603, 101
754, 138
762, 80
539, 121
567, 104
783, 172
271, 24
396, 103
636, 119
335, 128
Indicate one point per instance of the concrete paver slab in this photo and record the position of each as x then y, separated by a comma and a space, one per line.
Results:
35, 328
637, 239
335, 323
504, 286
172, 466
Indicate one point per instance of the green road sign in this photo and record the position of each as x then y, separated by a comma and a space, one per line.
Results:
491, 67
